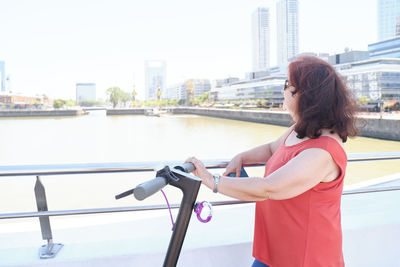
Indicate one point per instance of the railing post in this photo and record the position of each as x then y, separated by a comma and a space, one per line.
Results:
51, 249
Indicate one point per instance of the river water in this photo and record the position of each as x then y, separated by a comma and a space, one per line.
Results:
100, 138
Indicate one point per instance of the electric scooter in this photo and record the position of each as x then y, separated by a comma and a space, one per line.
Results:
180, 177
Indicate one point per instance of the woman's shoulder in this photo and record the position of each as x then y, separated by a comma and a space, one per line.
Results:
332, 143
328, 140
333, 135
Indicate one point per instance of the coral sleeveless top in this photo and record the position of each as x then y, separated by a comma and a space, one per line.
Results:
303, 231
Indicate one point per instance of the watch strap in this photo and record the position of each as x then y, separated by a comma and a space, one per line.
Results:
216, 182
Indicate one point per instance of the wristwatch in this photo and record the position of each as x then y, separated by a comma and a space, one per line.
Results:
216, 181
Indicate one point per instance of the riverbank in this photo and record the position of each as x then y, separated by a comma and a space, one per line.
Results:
386, 126
127, 111
376, 127
41, 113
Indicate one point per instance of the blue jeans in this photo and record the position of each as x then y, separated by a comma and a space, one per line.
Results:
258, 263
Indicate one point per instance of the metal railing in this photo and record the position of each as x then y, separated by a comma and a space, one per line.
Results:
51, 249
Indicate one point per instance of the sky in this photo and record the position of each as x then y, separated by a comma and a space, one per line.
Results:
50, 45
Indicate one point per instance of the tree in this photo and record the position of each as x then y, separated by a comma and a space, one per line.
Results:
59, 103
204, 98
173, 102
70, 103
125, 97
114, 94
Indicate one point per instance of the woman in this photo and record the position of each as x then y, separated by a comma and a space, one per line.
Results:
297, 220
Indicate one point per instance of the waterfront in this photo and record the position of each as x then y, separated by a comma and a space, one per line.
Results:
101, 138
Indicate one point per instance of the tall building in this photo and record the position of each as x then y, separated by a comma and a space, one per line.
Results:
287, 26
261, 39
3, 76
388, 14
85, 92
155, 80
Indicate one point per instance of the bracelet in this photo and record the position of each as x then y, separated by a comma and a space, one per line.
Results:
216, 182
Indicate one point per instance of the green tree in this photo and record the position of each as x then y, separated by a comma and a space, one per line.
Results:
70, 103
204, 98
173, 102
114, 95
59, 103
125, 97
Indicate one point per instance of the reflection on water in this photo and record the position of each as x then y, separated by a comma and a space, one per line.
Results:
101, 138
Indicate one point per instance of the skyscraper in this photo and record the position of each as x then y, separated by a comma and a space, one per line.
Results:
3, 76
388, 15
85, 92
155, 80
260, 31
287, 28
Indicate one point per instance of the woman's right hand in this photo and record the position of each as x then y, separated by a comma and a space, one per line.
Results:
235, 165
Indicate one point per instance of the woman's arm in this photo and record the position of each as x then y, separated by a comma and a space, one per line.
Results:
259, 154
300, 174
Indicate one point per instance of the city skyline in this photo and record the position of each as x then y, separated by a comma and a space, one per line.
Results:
108, 42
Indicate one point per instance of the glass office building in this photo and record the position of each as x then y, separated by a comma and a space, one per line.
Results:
85, 92
267, 88
287, 26
385, 49
155, 79
376, 79
388, 14
260, 37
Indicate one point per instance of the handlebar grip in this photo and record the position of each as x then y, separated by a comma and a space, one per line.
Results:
187, 167
148, 188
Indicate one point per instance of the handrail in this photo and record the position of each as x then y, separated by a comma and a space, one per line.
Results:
86, 168
51, 249
162, 207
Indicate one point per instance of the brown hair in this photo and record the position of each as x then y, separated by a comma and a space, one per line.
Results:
324, 102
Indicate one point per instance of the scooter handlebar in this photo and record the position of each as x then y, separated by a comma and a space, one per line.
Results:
186, 167
148, 188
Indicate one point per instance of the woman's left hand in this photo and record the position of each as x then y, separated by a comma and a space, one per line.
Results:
200, 170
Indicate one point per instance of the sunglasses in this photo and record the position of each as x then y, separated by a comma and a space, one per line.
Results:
287, 84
